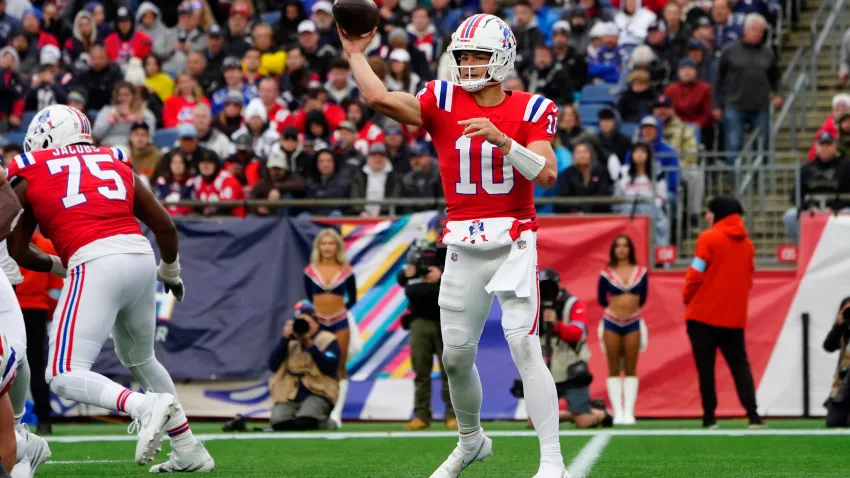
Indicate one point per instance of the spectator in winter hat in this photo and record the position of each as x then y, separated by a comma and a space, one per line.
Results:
327, 181
100, 79
322, 16
277, 182
272, 58
175, 183
400, 77
610, 137
692, 101
677, 134
27, 58
606, 62
316, 127
318, 56
209, 137
244, 164
291, 149
397, 148
633, 22
98, 12
45, 89
840, 104
527, 33
376, 180
230, 118
570, 58
286, 30
423, 180
113, 122
425, 36
149, 21
580, 27
178, 109
233, 81
398, 38
185, 37
125, 42
637, 101
368, 133
548, 78
317, 99
11, 96
31, 23
77, 99
257, 127
340, 85
83, 36
144, 155
345, 146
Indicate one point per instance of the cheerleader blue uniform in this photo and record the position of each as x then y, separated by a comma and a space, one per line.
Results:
610, 285
342, 284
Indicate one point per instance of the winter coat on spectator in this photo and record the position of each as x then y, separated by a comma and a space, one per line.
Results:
171, 190
728, 33
263, 141
707, 67
552, 82
575, 64
178, 110
221, 187
333, 114
99, 84
427, 42
604, 156
824, 177
842, 139
296, 160
691, 102
146, 160
249, 92
579, 36
396, 85
617, 143
422, 184
175, 61
227, 125
109, 129
161, 84
682, 138
75, 45
828, 126
347, 93
634, 106
571, 183
217, 142
158, 30
766, 8
369, 184
655, 6
569, 137
11, 94
400, 159
527, 37
746, 75
288, 185
120, 48
334, 187
46, 95
321, 59
606, 64
286, 30
665, 157
8, 24
633, 27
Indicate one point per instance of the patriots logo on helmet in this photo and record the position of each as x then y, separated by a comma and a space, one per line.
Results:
508, 40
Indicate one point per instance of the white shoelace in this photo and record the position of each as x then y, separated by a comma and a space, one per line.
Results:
134, 427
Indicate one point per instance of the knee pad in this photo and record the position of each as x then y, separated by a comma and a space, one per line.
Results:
458, 358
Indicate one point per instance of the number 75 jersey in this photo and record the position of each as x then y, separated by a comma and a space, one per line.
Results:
477, 181
79, 194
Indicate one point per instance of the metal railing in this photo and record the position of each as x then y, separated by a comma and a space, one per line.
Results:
820, 35
763, 205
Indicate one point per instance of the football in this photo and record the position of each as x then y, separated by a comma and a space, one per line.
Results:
356, 17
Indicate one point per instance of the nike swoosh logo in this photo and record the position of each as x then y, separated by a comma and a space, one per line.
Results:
464, 463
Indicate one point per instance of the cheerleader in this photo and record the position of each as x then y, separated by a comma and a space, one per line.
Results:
623, 287
331, 288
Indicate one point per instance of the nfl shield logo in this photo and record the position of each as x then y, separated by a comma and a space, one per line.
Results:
454, 256
520, 243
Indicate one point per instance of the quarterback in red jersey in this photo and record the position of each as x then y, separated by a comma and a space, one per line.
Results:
493, 146
85, 199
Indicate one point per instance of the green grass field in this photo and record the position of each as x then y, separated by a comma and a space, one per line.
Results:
653, 448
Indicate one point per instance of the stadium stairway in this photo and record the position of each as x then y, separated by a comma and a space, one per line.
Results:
768, 230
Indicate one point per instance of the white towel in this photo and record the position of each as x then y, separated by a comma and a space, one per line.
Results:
517, 273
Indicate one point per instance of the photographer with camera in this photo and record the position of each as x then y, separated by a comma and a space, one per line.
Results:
421, 281
305, 385
563, 339
838, 403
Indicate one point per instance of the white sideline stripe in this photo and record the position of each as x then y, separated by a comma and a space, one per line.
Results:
83, 462
447, 434
588, 455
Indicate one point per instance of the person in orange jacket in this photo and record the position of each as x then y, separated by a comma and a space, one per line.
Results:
716, 296
38, 295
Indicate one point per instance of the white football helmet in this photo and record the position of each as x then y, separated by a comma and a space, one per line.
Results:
57, 126
486, 33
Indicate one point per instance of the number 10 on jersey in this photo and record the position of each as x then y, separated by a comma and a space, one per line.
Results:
488, 171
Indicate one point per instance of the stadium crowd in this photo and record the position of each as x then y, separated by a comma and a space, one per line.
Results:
240, 99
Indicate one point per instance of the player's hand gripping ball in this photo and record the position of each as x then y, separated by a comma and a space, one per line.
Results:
482, 127
356, 17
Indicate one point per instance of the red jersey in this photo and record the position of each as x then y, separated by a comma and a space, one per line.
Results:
477, 182
224, 187
279, 116
79, 194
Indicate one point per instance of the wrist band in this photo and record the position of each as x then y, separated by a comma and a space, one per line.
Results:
504, 140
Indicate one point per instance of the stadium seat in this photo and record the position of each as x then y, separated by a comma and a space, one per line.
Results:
588, 113
15, 137
271, 18
165, 138
629, 129
598, 94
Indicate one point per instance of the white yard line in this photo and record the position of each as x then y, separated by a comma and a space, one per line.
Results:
83, 462
588, 455
447, 434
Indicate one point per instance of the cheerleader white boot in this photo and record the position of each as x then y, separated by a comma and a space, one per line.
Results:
615, 395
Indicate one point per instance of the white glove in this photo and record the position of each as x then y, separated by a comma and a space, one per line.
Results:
169, 275
57, 268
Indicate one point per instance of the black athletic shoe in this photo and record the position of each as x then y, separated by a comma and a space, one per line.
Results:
43, 429
709, 422
235, 425
756, 423
599, 404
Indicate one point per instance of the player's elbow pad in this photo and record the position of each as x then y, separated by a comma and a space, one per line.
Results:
526, 161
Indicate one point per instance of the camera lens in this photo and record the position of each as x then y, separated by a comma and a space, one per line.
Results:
846, 314
300, 326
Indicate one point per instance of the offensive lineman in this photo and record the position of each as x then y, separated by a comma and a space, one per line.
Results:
493, 146
85, 199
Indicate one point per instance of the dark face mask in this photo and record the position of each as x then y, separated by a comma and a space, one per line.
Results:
578, 27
